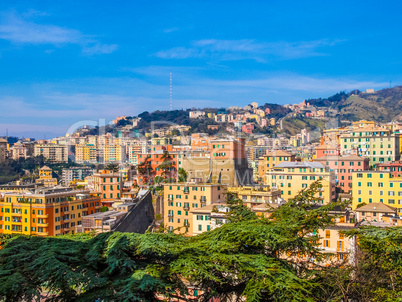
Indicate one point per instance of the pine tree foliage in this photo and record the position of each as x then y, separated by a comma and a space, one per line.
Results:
248, 259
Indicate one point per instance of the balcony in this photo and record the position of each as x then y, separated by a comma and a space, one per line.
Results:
42, 233
16, 214
43, 224
187, 224
42, 216
170, 215
17, 221
186, 208
203, 199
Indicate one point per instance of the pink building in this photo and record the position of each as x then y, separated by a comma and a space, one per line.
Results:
343, 167
248, 128
394, 167
327, 150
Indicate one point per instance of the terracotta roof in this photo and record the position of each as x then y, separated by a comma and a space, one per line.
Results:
265, 207
326, 146
278, 153
378, 207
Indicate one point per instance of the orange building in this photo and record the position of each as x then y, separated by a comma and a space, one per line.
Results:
162, 162
46, 212
108, 185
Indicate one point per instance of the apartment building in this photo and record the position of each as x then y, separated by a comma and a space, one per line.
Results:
114, 153
46, 212
378, 144
182, 198
18, 150
52, 152
394, 167
108, 185
293, 177
3, 149
377, 186
343, 167
86, 153
75, 173
256, 195
209, 217
271, 159
226, 163
160, 162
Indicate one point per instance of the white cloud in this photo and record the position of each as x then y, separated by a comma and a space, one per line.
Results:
247, 49
21, 31
100, 49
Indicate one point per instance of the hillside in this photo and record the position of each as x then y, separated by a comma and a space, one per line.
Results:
382, 106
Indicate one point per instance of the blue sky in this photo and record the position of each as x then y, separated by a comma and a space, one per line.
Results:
64, 62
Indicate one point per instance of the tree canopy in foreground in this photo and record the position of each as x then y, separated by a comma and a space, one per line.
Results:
243, 259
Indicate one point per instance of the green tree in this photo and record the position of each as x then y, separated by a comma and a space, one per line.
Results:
183, 175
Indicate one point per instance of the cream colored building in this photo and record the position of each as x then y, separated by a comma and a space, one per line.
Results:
292, 177
378, 144
209, 217
52, 152
19, 151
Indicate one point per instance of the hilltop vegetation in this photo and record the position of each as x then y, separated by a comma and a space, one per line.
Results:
382, 106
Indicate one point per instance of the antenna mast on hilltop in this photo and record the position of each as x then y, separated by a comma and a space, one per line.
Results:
171, 99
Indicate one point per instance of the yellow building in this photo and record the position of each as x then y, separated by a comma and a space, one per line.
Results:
46, 177
85, 153
378, 144
377, 186
271, 159
293, 177
255, 195
182, 198
45, 212
114, 153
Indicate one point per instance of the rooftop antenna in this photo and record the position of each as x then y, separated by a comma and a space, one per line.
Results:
171, 99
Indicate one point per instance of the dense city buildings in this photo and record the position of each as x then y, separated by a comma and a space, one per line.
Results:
343, 168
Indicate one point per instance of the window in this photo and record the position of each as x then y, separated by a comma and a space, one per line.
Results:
200, 227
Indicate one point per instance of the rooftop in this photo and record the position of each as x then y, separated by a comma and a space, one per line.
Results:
377, 207
303, 164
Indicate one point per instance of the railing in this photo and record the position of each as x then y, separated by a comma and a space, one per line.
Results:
186, 224
42, 233
170, 215
42, 224
186, 208
17, 214
203, 200
42, 215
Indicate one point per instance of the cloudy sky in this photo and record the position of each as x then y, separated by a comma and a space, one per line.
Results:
63, 62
